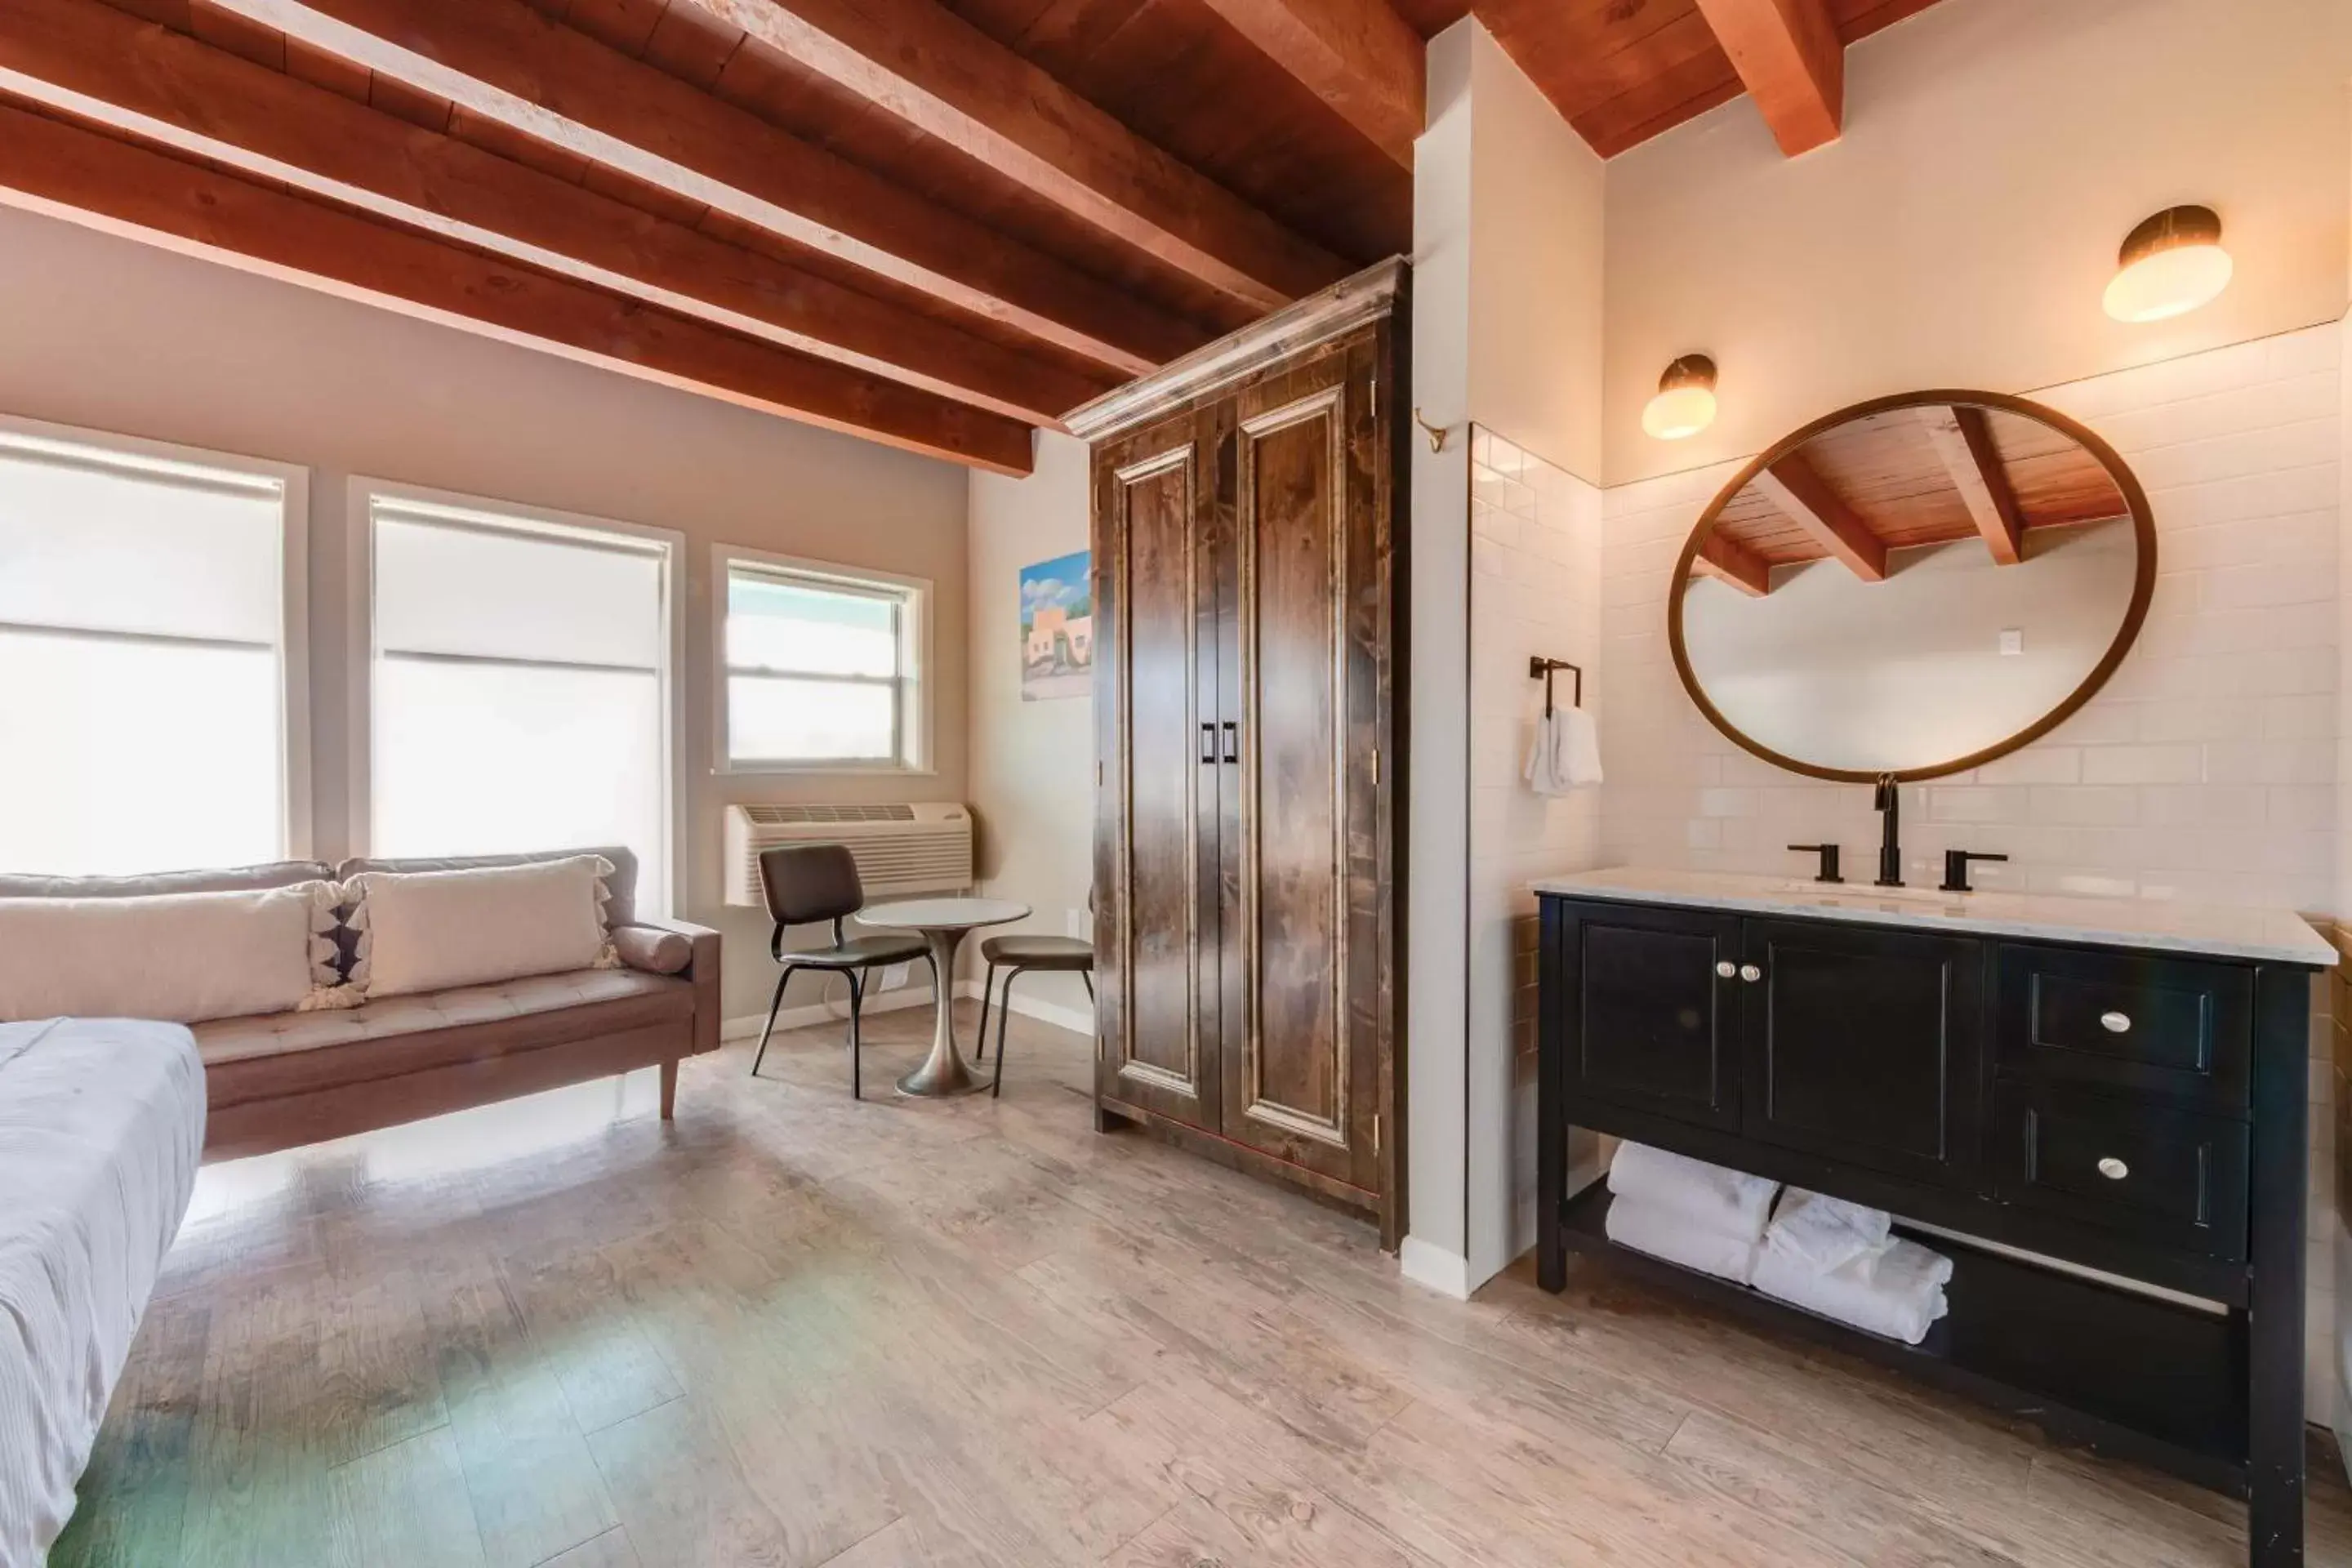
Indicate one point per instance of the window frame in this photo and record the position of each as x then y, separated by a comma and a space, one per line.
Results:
360, 650
916, 758
297, 821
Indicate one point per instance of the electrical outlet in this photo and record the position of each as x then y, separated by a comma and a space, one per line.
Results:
895, 976
1081, 924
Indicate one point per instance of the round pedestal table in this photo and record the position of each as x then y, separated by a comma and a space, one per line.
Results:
943, 923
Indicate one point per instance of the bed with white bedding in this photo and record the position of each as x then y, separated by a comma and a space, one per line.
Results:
101, 1123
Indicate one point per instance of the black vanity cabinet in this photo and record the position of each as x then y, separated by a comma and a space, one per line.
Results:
1657, 1018
1842, 1041
1860, 1045
2138, 1112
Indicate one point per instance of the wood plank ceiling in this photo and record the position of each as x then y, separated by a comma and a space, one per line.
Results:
940, 224
1909, 477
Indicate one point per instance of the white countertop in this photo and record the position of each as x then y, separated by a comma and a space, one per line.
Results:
2278, 936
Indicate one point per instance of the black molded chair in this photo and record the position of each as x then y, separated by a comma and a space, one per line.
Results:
1020, 954
806, 883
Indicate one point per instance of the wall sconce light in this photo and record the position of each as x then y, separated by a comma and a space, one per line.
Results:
1684, 404
2169, 266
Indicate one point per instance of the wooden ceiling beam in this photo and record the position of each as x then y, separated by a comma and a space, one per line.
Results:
1798, 490
505, 62
1732, 563
1962, 438
90, 177
97, 63
1358, 55
924, 65
1790, 58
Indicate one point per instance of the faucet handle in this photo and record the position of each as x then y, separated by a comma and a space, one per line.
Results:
1829, 854
1956, 869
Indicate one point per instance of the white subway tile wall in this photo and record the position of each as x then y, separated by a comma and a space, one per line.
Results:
1534, 589
2206, 769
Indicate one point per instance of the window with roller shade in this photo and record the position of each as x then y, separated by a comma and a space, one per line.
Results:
149, 693
519, 686
823, 667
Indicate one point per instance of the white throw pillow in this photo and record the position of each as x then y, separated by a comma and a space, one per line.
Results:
431, 931
177, 957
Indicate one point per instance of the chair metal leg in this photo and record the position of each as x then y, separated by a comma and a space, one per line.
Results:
769, 1027
856, 1006
1004, 1018
987, 993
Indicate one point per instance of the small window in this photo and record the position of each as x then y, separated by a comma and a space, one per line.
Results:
150, 691
823, 667
519, 683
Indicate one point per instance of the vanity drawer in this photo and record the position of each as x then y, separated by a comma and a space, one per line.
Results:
2176, 1028
2168, 1177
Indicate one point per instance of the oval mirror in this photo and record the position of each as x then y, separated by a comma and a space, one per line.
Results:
1913, 586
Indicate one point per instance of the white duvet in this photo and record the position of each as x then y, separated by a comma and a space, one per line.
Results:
101, 1122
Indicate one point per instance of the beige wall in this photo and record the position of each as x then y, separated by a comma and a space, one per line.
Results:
105, 334
1959, 234
1506, 333
1535, 194
1032, 762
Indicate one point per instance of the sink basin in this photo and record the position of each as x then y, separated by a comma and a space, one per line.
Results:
1861, 895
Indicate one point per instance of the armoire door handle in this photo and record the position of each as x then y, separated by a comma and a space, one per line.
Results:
1233, 742
1208, 744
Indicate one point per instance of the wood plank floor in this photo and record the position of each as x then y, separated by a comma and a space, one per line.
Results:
792, 1329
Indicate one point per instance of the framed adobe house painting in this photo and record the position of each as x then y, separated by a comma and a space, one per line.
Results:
1058, 619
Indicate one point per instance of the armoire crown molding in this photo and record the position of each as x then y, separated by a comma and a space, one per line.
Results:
1301, 325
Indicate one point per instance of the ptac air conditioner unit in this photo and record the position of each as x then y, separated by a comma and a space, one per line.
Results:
900, 850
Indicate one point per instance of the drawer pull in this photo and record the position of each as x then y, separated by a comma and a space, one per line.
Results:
2115, 1169
2114, 1023
1726, 968
1750, 974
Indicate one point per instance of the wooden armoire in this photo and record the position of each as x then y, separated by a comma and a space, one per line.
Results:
1248, 534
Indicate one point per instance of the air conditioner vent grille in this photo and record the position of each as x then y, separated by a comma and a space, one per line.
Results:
779, 815
900, 849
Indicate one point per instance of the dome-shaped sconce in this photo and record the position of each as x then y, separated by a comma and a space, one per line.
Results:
2169, 266
1684, 404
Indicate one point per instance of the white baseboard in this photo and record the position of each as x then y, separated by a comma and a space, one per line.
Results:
1427, 1263
749, 1025
1076, 1019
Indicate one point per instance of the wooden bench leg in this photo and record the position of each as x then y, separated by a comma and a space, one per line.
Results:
669, 1089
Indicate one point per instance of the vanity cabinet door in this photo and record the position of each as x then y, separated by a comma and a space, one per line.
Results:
1862, 1046
1651, 1004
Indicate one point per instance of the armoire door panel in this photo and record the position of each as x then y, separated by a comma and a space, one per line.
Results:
1293, 1085
1163, 1053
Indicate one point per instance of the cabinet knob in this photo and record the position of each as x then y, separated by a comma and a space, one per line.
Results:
1750, 974
2114, 1023
2115, 1169
1726, 968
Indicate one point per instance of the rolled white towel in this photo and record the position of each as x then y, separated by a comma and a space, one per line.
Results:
1895, 1289
1825, 1233
1664, 1233
1729, 1203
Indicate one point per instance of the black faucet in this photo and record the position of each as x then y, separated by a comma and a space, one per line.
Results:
1829, 854
1889, 804
1956, 869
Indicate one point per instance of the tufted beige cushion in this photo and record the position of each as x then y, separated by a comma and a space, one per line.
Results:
225, 1040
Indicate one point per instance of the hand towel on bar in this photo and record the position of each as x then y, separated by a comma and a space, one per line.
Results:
1895, 1289
1564, 753
1662, 1233
1824, 1232
1729, 1203
1544, 756
1580, 748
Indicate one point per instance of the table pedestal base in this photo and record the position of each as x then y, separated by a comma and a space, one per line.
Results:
943, 1074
